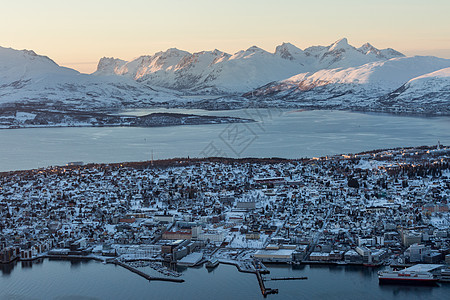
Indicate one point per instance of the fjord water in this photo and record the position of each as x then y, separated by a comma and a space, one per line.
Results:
277, 133
93, 280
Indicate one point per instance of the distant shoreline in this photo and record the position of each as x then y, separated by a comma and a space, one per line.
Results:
185, 161
55, 119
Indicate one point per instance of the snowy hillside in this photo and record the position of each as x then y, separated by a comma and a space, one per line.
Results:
432, 89
219, 72
358, 86
19, 66
28, 78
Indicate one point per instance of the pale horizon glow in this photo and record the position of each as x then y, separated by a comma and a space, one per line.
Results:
77, 34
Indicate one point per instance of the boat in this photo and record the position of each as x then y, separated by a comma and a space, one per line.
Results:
406, 277
212, 263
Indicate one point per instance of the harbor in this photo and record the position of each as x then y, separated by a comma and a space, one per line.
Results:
324, 282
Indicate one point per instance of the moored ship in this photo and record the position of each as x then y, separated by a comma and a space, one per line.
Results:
418, 274
401, 277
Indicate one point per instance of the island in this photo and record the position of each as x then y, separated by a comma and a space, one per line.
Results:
23, 118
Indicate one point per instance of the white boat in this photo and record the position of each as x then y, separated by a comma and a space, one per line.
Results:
406, 277
418, 274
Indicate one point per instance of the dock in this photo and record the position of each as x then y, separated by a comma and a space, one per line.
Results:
265, 291
146, 276
286, 278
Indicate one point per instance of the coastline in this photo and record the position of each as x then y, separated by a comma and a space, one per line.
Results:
107, 119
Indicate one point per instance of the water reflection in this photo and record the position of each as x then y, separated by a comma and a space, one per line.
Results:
6, 269
26, 264
407, 291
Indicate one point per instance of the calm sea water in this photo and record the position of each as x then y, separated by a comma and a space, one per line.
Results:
64, 280
289, 134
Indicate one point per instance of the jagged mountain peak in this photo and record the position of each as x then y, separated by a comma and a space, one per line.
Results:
287, 44
109, 65
337, 48
340, 44
172, 52
104, 61
288, 51
214, 52
254, 49
367, 47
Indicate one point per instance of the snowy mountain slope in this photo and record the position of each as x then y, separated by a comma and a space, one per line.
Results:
219, 72
360, 85
432, 89
17, 66
28, 78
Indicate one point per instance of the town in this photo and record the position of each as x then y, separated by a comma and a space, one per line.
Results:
382, 207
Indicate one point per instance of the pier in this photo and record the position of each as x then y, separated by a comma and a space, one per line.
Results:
146, 276
286, 278
265, 291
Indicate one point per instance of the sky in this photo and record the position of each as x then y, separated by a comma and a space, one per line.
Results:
78, 33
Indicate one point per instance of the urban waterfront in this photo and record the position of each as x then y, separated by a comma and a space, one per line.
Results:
52, 279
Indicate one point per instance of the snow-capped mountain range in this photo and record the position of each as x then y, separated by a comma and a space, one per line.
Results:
219, 72
335, 76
